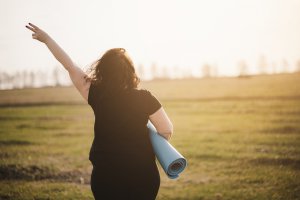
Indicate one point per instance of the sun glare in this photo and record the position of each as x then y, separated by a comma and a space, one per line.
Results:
170, 34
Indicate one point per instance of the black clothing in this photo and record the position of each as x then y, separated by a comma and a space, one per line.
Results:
122, 156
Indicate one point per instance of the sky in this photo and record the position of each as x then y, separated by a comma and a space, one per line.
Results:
173, 33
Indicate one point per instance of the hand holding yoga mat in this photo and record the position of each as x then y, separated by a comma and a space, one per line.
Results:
169, 158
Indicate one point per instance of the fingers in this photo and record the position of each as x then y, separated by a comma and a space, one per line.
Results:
34, 26
30, 28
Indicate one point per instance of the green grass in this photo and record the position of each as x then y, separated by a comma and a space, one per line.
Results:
241, 138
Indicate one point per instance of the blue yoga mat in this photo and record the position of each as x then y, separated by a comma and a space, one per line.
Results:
169, 158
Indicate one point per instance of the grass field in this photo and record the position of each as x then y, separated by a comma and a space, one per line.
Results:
241, 137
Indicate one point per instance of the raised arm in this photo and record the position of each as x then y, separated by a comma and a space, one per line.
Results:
78, 77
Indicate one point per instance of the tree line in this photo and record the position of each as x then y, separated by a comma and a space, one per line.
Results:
59, 77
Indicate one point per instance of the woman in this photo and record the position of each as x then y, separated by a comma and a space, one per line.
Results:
123, 160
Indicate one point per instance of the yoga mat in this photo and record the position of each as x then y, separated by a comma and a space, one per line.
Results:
169, 158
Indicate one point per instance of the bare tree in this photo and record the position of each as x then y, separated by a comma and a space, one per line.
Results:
215, 70
17, 80
176, 71
242, 68
298, 66
11, 81
262, 64
206, 70
285, 65
186, 72
56, 76
32, 79
24, 77
2, 80
165, 72
154, 71
141, 71
43, 78
274, 67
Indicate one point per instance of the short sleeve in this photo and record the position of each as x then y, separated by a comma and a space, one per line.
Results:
152, 103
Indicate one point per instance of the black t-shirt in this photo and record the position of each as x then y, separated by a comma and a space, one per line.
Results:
120, 129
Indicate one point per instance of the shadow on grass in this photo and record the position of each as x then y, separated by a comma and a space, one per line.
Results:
15, 142
10, 118
286, 162
207, 157
282, 130
34, 173
39, 127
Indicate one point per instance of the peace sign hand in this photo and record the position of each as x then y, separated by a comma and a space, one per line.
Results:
38, 33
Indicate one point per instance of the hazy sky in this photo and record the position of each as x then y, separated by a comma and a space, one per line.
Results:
183, 33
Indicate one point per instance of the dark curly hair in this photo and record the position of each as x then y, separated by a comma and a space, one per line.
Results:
114, 71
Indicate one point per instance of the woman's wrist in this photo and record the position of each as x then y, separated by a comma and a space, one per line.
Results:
46, 39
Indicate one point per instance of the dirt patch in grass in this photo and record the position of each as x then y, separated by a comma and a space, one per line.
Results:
9, 118
282, 130
23, 126
37, 126
291, 113
66, 134
285, 162
34, 173
207, 157
64, 118
15, 142
281, 121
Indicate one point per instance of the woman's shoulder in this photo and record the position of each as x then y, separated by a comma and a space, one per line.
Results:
141, 91
144, 94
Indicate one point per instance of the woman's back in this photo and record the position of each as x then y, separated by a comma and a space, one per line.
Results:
120, 123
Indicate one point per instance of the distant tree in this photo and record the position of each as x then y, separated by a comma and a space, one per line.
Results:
177, 72
1, 81
262, 64
17, 80
196, 71
274, 67
285, 65
24, 78
207, 70
141, 71
165, 72
298, 66
242, 68
32, 79
1, 78
154, 70
56, 76
10, 80
161, 72
43, 78
215, 71
186, 73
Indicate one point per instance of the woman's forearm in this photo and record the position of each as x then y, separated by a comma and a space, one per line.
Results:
59, 54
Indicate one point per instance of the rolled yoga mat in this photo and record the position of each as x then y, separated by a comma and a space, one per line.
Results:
169, 158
